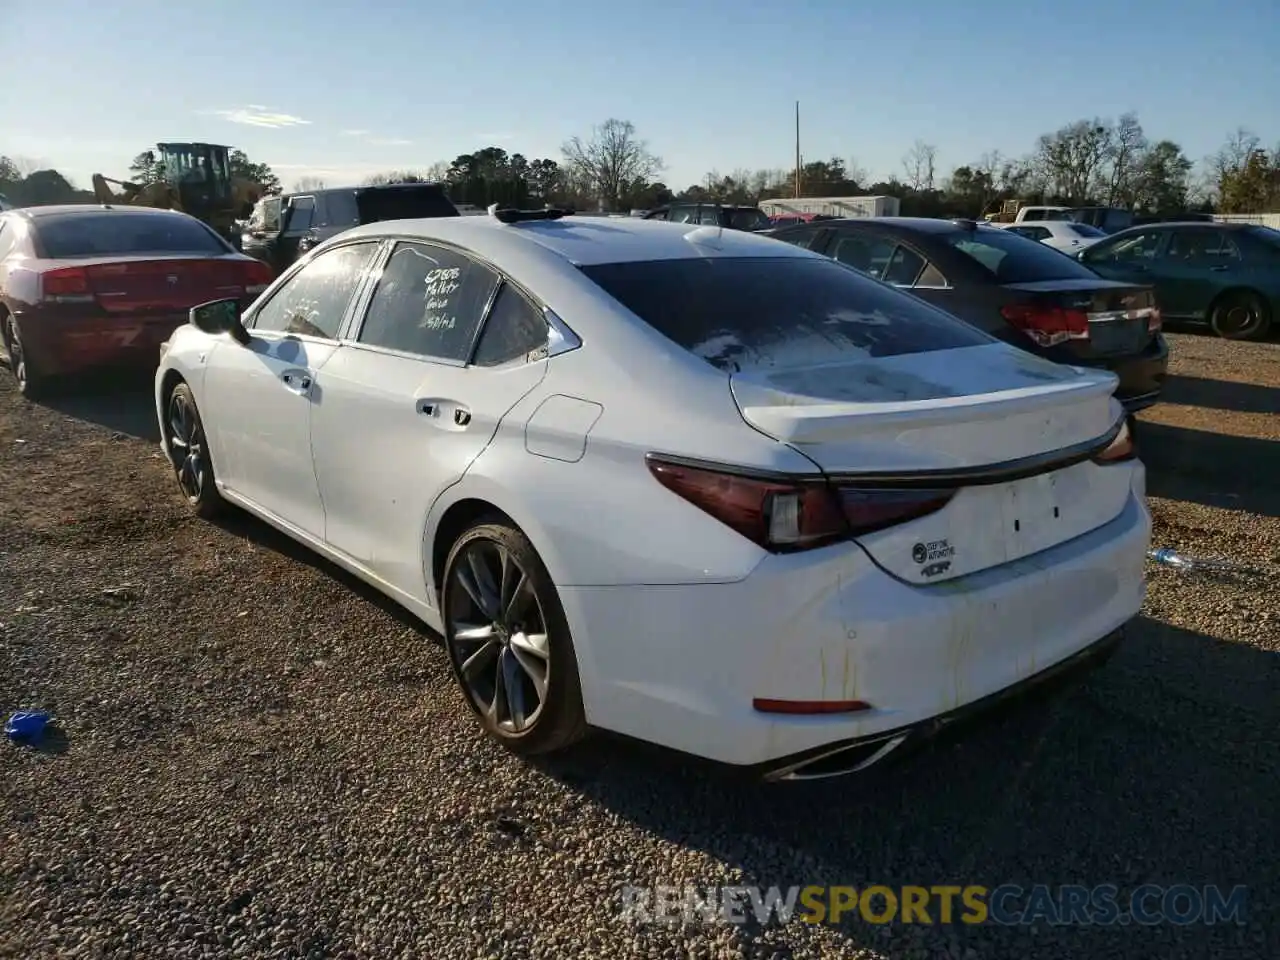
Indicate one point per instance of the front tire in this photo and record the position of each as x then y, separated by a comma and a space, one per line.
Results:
1240, 316
508, 641
189, 454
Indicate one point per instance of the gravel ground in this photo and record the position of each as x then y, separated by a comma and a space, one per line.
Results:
259, 758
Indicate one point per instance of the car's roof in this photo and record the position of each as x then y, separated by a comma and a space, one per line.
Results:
586, 240
915, 224
70, 209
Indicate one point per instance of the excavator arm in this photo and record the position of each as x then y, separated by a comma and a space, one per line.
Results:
158, 195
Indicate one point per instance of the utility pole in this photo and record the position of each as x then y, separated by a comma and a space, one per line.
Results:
797, 176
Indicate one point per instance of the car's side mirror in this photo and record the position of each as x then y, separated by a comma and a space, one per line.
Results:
220, 316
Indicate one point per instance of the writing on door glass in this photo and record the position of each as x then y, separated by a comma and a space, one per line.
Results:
441, 285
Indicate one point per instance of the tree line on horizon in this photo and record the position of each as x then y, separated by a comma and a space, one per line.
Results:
1084, 163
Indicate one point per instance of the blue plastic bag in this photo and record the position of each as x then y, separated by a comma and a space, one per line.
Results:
27, 726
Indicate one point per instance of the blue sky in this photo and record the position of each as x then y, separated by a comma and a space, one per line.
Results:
710, 84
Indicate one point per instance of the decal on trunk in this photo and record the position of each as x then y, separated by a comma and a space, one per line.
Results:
932, 552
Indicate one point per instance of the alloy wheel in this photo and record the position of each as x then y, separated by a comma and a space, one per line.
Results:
1240, 319
497, 635
186, 446
17, 359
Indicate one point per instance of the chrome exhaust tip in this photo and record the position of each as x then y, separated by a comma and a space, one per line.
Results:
839, 762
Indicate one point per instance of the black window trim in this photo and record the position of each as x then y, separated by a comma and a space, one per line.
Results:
897, 241
561, 338
251, 315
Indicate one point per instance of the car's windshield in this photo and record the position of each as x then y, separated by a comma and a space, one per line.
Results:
738, 312
1010, 258
110, 234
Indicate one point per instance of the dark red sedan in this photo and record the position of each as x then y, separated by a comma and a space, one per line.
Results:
84, 287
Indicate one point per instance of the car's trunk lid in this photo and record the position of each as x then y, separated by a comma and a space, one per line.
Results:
1012, 433
1099, 318
144, 284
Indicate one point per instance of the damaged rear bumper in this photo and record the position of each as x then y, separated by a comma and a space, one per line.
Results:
860, 753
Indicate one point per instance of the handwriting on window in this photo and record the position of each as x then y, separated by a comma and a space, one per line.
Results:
440, 286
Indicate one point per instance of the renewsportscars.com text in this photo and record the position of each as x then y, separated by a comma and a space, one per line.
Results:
1007, 904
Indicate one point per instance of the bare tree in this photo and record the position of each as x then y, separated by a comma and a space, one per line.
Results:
26, 166
919, 164
1071, 160
438, 170
855, 172
1240, 145
394, 176
305, 184
611, 159
1127, 148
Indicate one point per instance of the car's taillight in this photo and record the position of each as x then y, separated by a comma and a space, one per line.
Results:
786, 515
67, 285
1121, 448
1047, 325
257, 277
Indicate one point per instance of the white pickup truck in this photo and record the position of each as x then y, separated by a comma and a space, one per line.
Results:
1032, 213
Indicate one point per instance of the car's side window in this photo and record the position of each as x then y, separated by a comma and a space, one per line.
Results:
429, 302
683, 214
802, 237
867, 254
658, 215
1202, 245
904, 266
1038, 233
301, 212
513, 330
1139, 248
315, 299
709, 216
931, 277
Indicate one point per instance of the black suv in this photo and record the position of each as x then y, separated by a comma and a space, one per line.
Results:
283, 228
1015, 289
729, 216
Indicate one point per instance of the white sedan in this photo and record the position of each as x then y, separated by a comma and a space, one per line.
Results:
702, 488
1066, 236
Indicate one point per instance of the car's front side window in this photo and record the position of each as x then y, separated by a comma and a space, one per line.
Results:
314, 300
429, 302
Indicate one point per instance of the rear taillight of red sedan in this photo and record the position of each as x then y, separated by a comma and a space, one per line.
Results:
131, 285
784, 515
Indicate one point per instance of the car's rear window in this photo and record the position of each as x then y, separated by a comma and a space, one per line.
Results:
1085, 230
1268, 235
110, 234
738, 312
1010, 258
748, 220
404, 203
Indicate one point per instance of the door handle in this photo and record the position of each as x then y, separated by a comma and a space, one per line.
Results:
462, 416
298, 382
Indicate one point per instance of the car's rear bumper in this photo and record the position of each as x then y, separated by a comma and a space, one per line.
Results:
680, 666
1141, 377
59, 346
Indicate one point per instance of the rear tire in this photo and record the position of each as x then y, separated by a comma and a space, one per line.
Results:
189, 454
32, 384
508, 641
1240, 315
